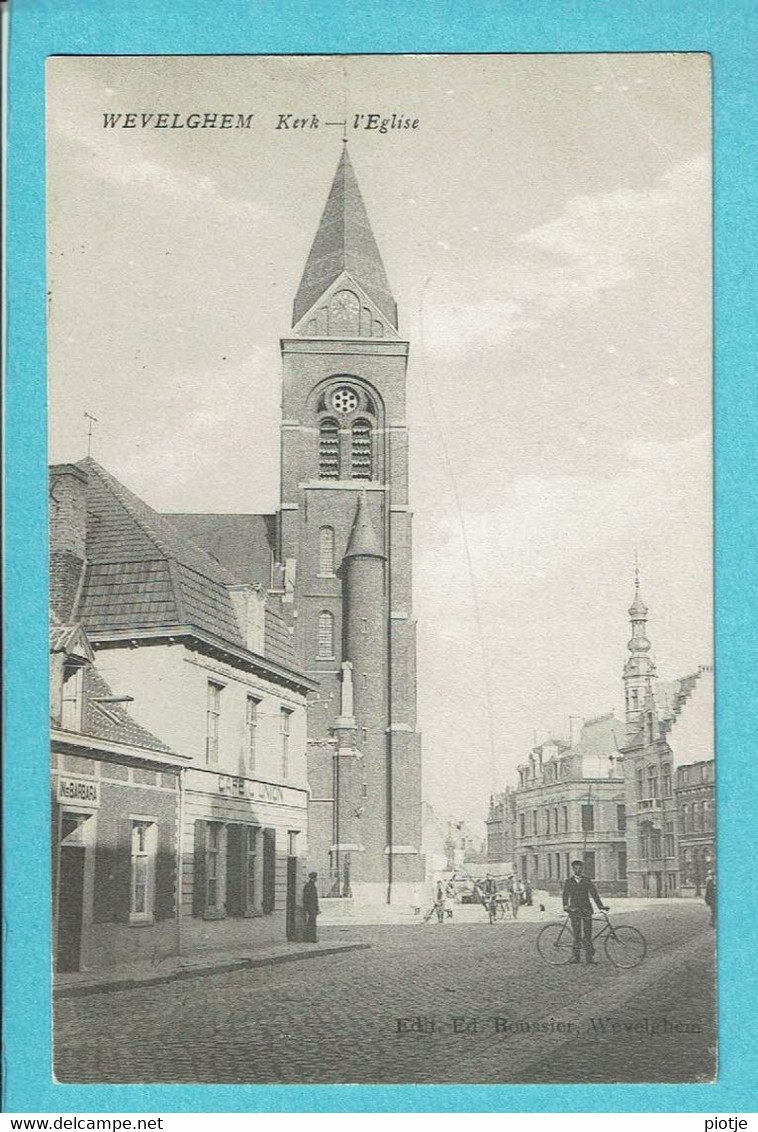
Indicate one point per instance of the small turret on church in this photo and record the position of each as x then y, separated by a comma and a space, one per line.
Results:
345, 549
639, 669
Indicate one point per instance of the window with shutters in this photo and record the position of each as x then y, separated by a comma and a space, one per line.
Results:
329, 450
326, 551
142, 873
285, 726
325, 635
251, 726
212, 720
268, 899
251, 882
361, 454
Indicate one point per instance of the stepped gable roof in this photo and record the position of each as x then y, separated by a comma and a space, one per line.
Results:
241, 544
111, 721
142, 573
344, 242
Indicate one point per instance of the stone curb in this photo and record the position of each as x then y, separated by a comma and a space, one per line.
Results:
130, 982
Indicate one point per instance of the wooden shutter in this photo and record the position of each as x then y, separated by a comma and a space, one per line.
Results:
269, 869
122, 871
165, 872
235, 840
198, 881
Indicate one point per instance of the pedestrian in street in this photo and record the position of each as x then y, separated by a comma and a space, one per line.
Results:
439, 902
488, 890
578, 892
514, 895
449, 899
311, 908
417, 899
527, 891
710, 896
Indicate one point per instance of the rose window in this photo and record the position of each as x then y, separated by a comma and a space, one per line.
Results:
344, 400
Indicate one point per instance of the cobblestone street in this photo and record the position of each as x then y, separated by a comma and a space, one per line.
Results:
470, 992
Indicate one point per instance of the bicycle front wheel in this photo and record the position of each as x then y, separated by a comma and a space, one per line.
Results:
555, 944
625, 946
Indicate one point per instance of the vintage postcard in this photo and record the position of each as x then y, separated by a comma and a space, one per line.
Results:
381, 653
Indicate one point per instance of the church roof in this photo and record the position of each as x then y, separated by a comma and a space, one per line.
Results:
241, 544
363, 539
344, 242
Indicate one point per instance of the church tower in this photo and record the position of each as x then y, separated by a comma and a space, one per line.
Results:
345, 547
639, 669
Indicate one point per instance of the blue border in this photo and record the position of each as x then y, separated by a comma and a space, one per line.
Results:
45, 27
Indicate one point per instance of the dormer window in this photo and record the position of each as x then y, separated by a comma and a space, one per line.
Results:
72, 697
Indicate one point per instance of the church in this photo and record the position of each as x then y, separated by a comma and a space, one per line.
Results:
336, 557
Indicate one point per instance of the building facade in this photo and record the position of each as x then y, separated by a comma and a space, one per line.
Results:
501, 826
207, 666
115, 820
570, 804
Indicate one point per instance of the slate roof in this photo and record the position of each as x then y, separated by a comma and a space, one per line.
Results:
600, 737
145, 571
242, 544
344, 242
141, 573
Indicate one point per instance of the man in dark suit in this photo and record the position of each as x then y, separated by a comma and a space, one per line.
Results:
578, 891
311, 908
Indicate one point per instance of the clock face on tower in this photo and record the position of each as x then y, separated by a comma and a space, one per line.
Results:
344, 399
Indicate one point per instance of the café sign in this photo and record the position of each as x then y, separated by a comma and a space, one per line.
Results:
82, 790
233, 787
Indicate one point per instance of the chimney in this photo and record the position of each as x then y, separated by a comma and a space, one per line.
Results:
68, 534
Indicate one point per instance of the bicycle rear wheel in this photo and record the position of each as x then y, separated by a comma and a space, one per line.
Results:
555, 944
625, 946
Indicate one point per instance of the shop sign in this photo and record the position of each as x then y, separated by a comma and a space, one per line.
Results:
82, 790
248, 788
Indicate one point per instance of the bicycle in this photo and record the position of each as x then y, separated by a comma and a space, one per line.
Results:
625, 946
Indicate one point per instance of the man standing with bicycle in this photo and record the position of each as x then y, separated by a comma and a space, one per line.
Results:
578, 892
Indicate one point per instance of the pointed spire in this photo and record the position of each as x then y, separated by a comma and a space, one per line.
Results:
344, 242
363, 541
637, 610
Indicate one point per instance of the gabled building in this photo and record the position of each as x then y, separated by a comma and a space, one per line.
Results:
670, 803
207, 665
501, 826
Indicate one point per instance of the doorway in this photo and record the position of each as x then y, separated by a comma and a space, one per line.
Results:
71, 862
291, 907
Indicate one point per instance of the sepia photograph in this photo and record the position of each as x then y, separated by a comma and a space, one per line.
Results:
381, 544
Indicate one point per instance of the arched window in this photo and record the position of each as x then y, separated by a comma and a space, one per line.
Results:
329, 450
326, 550
325, 635
361, 456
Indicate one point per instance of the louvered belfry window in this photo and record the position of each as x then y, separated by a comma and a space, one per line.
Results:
361, 456
329, 450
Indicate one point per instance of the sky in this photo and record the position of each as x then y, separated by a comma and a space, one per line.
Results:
546, 231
